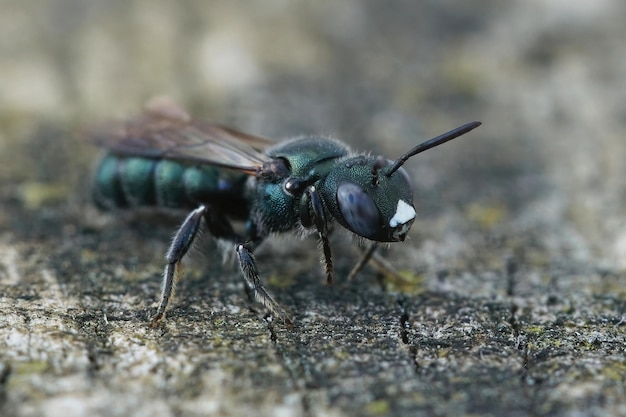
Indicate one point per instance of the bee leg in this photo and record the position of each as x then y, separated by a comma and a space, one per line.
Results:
219, 225
251, 275
379, 264
388, 272
319, 219
367, 255
178, 249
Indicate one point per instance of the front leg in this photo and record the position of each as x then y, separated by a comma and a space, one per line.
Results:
316, 216
178, 249
367, 255
251, 276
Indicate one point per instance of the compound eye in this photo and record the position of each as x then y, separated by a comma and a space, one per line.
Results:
358, 210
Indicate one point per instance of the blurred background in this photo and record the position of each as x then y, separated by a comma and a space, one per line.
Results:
515, 264
546, 77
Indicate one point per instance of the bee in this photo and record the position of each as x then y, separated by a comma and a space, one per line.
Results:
165, 158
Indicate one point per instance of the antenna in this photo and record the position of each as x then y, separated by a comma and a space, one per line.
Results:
431, 143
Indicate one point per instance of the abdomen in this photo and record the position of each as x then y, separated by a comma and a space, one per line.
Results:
123, 181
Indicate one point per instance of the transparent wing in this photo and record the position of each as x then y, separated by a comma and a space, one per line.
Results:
170, 133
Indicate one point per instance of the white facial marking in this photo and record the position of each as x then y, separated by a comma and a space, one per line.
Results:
404, 213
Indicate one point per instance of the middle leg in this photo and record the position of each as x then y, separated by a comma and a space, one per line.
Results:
220, 227
248, 267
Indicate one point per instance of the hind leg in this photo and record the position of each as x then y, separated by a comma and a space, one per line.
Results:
179, 247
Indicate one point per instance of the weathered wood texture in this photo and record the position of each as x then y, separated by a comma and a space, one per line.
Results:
515, 297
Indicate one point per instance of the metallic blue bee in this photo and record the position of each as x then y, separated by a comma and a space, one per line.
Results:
164, 158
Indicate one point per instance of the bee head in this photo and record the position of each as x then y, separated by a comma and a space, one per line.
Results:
374, 196
369, 203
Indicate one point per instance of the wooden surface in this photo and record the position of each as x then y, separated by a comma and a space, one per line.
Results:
514, 300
